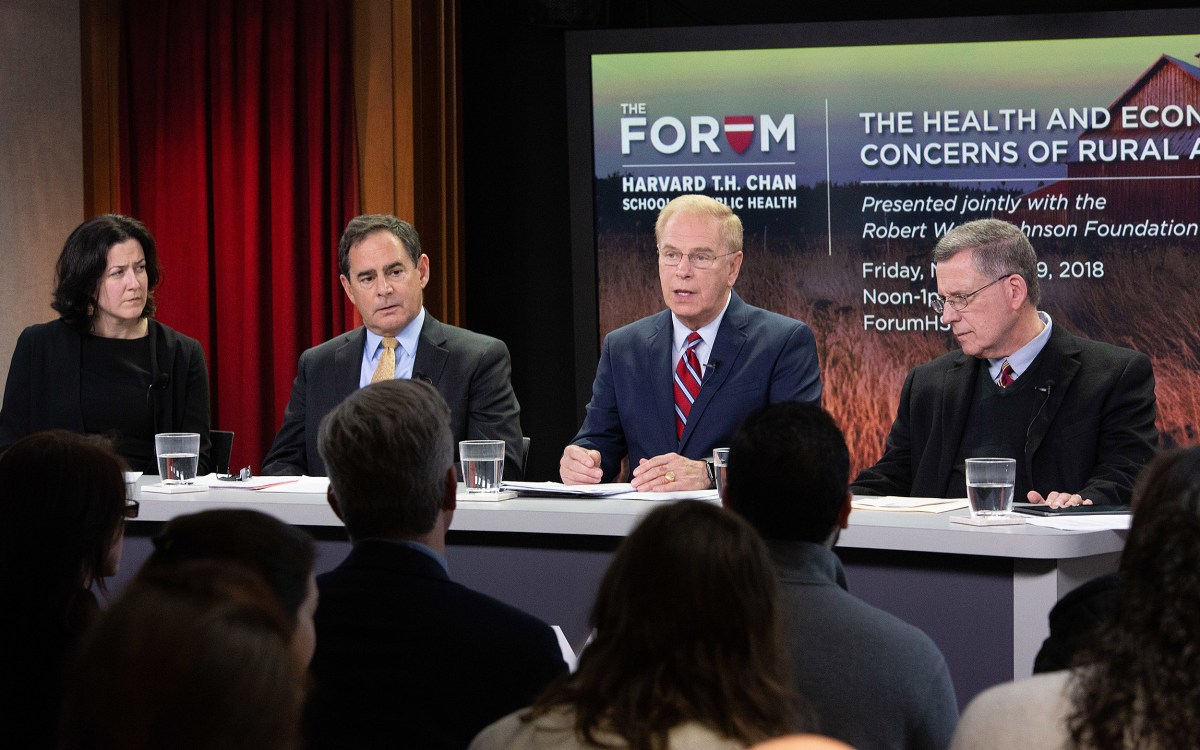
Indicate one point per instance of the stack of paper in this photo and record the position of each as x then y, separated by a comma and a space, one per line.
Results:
908, 504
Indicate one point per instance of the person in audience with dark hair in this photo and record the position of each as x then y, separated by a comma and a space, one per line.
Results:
1136, 683
874, 680
405, 656
687, 651
195, 656
106, 366
281, 553
62, 496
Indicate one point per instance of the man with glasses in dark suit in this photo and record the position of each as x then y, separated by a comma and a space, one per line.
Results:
1077, 415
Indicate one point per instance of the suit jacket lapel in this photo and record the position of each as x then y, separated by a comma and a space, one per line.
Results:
347, 363
958, 390
1059, 365
660, 350
432, 354
725, 350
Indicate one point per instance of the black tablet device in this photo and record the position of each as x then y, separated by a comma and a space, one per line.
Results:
1032, 509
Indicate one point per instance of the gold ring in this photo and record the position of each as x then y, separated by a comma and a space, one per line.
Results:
670, 475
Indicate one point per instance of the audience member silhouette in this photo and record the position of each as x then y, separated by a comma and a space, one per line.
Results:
687, 652
63, 500
280, 553
1137, 682
195, 656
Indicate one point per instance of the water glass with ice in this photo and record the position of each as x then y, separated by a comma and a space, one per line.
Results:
482, 464
178, 456
990, 483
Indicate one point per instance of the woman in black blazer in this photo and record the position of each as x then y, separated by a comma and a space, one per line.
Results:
105, 366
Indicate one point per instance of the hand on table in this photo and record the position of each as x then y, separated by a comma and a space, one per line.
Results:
670, 472
1058, 499
579, 465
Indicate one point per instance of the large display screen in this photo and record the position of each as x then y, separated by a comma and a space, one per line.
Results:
849, 149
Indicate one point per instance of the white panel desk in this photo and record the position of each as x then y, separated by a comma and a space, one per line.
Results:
963, 585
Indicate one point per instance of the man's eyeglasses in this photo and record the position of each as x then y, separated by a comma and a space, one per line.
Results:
695, 260
959, 301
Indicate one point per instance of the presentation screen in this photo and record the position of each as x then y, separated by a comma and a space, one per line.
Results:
849, 149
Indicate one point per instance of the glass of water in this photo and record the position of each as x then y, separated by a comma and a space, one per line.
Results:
178, 456
720, 458
990, 483
482, 464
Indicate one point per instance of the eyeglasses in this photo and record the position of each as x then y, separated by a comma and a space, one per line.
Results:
695, 260
959, 301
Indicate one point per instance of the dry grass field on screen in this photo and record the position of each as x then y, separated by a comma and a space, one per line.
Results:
1145, 301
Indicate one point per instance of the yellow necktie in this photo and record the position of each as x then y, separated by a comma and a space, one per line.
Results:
386, 369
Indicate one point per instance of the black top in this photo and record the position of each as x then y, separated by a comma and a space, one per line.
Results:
115, 396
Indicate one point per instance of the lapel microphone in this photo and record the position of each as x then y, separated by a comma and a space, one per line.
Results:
710, 368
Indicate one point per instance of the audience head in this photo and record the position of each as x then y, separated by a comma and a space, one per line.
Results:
1142, 675
997, 248
389, 454
84, 260
687, 628
282, 555
63, 499
788, 472
194, 656
802, 742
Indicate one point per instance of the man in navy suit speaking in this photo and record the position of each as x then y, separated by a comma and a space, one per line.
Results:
672, 386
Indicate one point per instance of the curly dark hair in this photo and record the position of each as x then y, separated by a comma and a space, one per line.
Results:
84, 258
1138, 681
687, 623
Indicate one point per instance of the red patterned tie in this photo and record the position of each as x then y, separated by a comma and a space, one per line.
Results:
1007, 376
687, 382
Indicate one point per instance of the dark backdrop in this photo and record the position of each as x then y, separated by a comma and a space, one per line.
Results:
517, 203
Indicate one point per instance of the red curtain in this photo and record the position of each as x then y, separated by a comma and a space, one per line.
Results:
237, 148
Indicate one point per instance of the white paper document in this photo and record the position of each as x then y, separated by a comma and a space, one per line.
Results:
908, 504
558, 489
1098, 522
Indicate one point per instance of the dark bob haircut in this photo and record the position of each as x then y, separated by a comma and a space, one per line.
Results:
84, 258
280, 553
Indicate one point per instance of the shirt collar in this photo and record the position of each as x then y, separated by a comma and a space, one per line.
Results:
1021, 359
708, 331
406, 339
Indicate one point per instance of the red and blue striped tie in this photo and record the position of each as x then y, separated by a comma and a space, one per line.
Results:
687, 382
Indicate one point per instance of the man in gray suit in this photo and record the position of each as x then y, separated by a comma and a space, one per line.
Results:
384, 274
873, 680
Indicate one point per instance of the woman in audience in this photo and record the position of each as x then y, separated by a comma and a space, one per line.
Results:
105, 366
278, 552
687, 652
62, 497
192, 657
1137, 683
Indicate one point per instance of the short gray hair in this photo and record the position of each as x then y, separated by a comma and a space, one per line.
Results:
361, 226
387, 448
999, 248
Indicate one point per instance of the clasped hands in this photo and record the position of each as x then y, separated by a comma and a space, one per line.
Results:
669, 472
